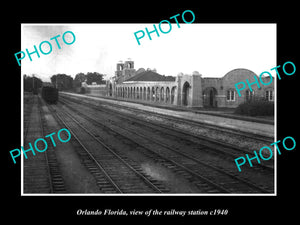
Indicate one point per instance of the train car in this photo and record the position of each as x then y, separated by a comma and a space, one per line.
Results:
50, 94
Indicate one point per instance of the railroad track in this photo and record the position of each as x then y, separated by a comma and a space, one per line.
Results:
56, 179
228, 151
190, 166
41, 172
114, 173
238, 133
214, 127
27, 109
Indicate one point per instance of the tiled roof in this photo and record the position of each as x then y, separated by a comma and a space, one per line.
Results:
150, 76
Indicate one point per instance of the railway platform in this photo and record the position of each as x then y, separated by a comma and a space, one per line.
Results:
222, 118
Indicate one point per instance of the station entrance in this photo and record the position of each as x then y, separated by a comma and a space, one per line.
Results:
209, 97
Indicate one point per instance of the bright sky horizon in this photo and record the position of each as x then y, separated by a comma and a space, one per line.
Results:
211, 49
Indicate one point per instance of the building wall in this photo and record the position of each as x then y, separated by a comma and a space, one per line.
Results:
159, 92
241, 75
97, 90
190, 90
212, 93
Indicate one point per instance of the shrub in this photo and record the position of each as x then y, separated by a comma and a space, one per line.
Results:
82, 90
256, 108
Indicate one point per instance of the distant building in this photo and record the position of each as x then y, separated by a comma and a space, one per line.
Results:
191, 90
94, 88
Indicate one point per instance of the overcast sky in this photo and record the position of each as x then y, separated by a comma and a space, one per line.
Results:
211, 49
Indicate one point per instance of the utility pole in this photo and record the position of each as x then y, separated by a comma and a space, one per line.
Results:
33, 81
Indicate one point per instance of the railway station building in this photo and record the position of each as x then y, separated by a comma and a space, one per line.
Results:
190, 90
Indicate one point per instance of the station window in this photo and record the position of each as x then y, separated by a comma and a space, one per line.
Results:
269, 95
249, 95
230, 96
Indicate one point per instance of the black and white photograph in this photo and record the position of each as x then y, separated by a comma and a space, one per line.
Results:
156, 113
148, 118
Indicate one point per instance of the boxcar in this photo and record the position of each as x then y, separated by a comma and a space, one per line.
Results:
50, 94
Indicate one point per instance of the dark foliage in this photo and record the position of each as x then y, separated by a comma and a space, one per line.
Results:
94, 77
62, 82
256, 108
89, 78
32, 84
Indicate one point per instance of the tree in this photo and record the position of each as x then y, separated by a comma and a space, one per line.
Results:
31, 83
62, 82
79, 78
94, 77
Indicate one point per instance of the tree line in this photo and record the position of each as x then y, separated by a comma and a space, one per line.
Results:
31, 83
63, 81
